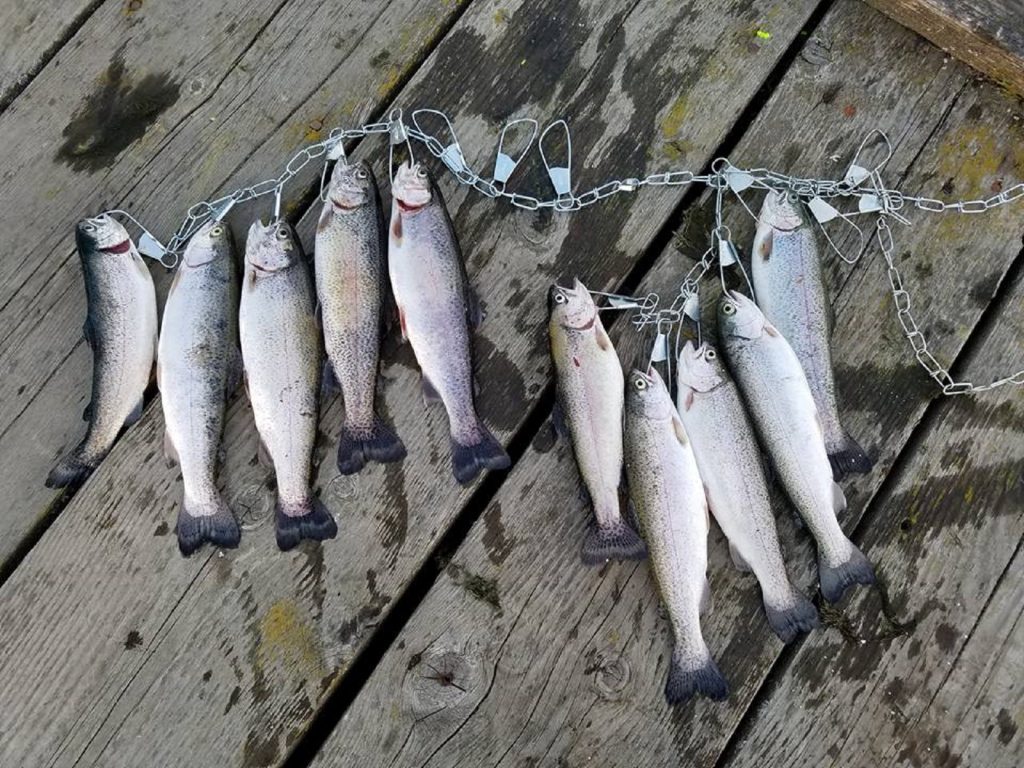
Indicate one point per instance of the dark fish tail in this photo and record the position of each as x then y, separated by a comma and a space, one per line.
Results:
836, 579
72, 469
849, 458
357, 447
469, 460
614, 542
791, 617
211, 522
311, 520
689, 676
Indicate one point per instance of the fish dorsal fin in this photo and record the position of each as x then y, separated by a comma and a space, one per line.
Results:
764, 248
325, 217
838, 499
430, 394
737, 559
677, 427
602, 336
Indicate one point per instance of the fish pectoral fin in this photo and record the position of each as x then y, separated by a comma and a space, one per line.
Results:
737, 559
474, 309
328, 379
318, 315
135, 415
707, 603
87, 334
263, 453
558, 421
170, 452
430, 394
602, 336
235, 370
677, 427
401, 323
838, 499
771, 330
87, 412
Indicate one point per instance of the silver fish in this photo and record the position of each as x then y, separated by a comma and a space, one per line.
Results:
282, 356
779, 400
666, 488
590, 407
436, 308
121, 329
791, 291
199, 365
350, 284
730, 465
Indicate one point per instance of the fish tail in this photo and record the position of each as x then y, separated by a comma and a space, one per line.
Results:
849, 458
836, 579
687, 676
380, 444
615, 542
212, 522
73, 469
469, 460
792, 616
311, 520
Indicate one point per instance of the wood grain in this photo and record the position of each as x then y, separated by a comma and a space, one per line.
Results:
275, 631
555, 663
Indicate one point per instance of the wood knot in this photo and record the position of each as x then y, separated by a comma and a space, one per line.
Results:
439, 678
253, 507
610, 673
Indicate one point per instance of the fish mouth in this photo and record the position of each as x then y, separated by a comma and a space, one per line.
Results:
123, 247
405, 207
264, 270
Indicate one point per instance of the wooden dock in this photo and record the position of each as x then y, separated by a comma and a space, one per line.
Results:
457, 627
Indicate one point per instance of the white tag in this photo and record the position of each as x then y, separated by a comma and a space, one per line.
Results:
151, 247
452, 157
503, 167
869, 203
660, 352
822, 211
559, 179
726, 253
855, 175
337, 151
615, 301
738, 180
691, 307
221, 212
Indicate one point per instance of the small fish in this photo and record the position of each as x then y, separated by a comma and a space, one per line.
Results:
782, 408
590, 401
282, 356
350, 284
121, 329
791, 291
436, 308
666, 488
730, 465
199, 365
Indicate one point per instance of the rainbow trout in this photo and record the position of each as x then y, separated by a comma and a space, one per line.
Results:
350, 284
791, 291
782, 408
590, 402
281, 352
436, 309
730, 464
666, 488
199, 366
121, 329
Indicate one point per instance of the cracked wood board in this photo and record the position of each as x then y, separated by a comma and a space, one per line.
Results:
252, 639
183, 129
520, 653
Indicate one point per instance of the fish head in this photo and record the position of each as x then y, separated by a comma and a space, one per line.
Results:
572, 308
739, 316
102, 235
211, 242
351, 187
271, 247
782, 212
647, 396
413, 187
699, 368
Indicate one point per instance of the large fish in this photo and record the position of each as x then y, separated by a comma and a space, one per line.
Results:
199, 365
782, 408
790, 290
666, 488
350, 284
436, 308
730, 465
281, 351
590, 401
121, 329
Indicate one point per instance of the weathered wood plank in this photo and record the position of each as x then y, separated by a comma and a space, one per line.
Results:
274, 630
945, 689
987, 34
520, 655
183, 128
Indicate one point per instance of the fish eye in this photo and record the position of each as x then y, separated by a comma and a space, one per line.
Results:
560, 298
729, 309
89, 227
282, 233
710, 354
362, 175
421, 172
640, 384
217, 231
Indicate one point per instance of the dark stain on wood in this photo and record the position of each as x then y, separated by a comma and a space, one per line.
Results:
369, 612
946, 637
496, 541
502, 397
313, 575
1007, 726
162, 529
480, 587
133, 640
114, 116
394, 516
260, 750
236, 693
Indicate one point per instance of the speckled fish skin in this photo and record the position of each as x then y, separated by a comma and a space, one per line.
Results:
199, 366
730, 465
590, 397
281, 351
666, 488
791, 291
350, 284
121, 330
782, 409
436, 308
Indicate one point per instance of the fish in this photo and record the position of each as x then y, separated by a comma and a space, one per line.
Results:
782, 409
199, 366
590, 396
436, 310
351, 281
281, 351
789, 286
121, 330
731, 467
665, 486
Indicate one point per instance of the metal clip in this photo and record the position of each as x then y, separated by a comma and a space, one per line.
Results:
857, 173
821, 210
397, 135
691, 307
560, 175
659, 352
452, 155
278, 193
727, 255
505, 164
221, 210
148, 245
